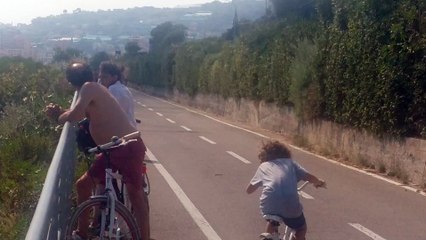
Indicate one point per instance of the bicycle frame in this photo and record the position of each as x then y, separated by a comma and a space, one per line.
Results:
112, 197
110, 192
288, 232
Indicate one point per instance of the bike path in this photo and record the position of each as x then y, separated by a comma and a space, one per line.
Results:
355, 206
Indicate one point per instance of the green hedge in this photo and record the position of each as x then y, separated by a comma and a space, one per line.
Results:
374, 66
358, 63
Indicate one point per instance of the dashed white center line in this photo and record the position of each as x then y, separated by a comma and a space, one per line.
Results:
143, 105
150, 109
159, 114
366, 231
238, 157
186, 128
207, 140
170, 120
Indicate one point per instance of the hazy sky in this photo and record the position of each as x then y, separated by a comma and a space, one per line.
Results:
22, 11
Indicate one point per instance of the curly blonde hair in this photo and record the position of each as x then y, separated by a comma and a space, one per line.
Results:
272, 150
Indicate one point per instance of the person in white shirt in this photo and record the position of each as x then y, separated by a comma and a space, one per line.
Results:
278, 175
110, 76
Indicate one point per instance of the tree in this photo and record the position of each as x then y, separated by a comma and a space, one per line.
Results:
165, 35
132, 49
96, 60
66, 55
300, 8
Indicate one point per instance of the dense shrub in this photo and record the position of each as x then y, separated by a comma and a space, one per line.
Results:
358, 63
27, 138
374, 66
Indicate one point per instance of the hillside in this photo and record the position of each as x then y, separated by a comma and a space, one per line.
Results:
211, 19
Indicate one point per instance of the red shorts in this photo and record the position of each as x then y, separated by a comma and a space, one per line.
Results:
127, 159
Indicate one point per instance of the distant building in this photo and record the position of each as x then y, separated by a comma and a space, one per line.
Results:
13, 43
103, 38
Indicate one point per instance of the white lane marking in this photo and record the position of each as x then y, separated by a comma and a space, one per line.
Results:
143, 105
305, 195
366, 231
423, 193
150, 109
186, 128
413, 189
196, 215
212, 118
159, 114
238, 157
207, 140
170, 120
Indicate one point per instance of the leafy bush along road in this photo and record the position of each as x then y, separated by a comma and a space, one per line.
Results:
357, 63
27, 138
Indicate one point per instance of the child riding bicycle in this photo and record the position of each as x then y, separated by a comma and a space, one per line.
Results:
278, 174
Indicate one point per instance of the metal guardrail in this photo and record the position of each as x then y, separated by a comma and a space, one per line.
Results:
54, 206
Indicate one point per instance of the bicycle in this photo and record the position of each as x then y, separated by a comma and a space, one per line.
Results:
275, 220
86, 142
108, 217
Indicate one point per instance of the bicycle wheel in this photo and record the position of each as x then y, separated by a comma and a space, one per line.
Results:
125, 227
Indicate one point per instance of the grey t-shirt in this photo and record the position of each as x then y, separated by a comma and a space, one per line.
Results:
279, 179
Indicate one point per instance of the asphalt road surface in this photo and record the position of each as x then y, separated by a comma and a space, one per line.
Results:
200, 165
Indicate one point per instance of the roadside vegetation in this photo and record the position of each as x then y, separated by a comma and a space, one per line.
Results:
27, 138
357, 63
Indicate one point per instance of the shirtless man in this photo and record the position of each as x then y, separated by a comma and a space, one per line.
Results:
107, 119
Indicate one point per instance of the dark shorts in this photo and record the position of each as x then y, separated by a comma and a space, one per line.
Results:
127, 159
295, 223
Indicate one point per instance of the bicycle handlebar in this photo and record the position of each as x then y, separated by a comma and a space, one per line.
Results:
115, 141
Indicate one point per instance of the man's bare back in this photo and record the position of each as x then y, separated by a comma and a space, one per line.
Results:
107, 118
94, 101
